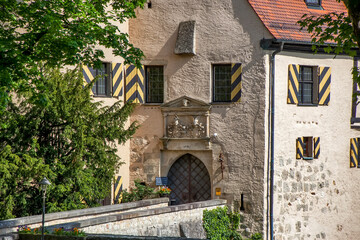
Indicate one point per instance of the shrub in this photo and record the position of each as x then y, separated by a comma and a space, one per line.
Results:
140, 192
221, 224
69, 232
256, 236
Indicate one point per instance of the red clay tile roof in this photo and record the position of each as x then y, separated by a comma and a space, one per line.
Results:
280, 16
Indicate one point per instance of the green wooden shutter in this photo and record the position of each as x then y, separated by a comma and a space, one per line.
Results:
293, 84
117, 79
354, 151
316, 147
236, 74
88, 74
118, 187
299, 148
324, 85
135, 84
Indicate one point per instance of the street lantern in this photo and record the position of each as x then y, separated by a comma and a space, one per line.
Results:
43, 184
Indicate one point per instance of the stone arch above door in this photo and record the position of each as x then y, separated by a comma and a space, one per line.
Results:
189, 180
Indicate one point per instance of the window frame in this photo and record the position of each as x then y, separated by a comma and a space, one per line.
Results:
214, 98
355, 98
107, 77
308, 148
148, 88
312, 3
314, 85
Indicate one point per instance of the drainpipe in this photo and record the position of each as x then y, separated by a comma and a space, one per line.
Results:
272, 133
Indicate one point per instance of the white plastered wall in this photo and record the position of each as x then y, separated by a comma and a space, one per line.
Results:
315, 198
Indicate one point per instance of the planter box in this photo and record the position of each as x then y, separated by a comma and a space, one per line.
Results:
25, 236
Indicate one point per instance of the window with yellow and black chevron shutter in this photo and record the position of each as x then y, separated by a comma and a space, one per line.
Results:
227, 82
109, 79
308, 85
308, 148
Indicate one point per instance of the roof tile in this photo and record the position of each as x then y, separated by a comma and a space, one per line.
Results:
280, 16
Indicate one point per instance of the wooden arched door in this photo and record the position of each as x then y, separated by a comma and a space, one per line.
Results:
189, 180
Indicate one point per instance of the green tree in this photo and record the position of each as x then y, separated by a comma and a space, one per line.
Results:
72, 140
36, 33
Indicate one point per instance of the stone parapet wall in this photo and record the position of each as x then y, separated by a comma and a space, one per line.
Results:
10, 225
173, 221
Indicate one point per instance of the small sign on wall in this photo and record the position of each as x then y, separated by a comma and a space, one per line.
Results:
218, 191
161, 181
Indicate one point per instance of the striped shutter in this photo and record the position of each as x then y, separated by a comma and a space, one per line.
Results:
89, 74
236, 73
316, 147
324, 85
117, 79
134, 82
299, 148
293, 88
354, 151
118, 187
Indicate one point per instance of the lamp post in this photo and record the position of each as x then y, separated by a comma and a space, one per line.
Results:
43, 184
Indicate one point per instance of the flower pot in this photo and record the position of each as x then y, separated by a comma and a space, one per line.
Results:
164, 195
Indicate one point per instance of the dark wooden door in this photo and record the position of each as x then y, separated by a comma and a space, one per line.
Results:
189, 180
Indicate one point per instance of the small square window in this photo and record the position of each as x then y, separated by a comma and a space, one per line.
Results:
222, 83
154, 76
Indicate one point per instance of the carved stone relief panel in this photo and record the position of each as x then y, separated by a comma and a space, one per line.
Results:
186, 126
185, 121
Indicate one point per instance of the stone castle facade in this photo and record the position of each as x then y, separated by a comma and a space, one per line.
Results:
212, 123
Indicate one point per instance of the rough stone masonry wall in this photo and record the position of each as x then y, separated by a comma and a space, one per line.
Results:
226, 31
174, 221
315, 199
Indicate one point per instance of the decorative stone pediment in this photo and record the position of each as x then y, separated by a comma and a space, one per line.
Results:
185, 104
186, 124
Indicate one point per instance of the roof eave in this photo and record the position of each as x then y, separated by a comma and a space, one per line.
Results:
295, 46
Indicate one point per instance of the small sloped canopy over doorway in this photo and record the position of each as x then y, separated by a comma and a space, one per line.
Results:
189, 180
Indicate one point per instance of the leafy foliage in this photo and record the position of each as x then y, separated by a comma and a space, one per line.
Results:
220, 224
71, 140
19, 175
34, 33
256, 236
339, 31
334, 30
140, 192
69, 232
